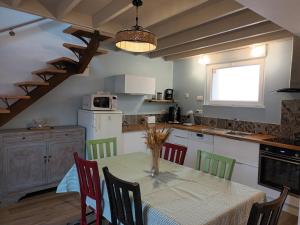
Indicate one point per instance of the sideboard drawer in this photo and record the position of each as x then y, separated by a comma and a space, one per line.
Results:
22, 138
67, 134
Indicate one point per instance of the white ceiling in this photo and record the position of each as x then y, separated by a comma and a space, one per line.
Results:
285, 13
183, 27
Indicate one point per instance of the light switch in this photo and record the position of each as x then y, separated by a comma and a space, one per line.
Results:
187, 95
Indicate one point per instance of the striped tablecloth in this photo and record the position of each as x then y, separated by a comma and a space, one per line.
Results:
178, 195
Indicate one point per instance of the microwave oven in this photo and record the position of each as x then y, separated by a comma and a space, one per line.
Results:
99, 102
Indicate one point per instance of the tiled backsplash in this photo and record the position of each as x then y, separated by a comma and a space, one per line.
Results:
289, 128
140, 118
253, 127
290, 119
240, 125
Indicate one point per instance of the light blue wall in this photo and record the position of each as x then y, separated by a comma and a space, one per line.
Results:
34, 45
190, 77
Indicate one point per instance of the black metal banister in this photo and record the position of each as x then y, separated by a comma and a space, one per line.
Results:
21, 25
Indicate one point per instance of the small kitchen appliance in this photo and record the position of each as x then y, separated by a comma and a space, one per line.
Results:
174, 114
168, 95
101, 102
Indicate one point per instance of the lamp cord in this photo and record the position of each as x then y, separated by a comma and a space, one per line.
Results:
137, 16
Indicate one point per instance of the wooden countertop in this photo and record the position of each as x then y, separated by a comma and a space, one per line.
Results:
256, 138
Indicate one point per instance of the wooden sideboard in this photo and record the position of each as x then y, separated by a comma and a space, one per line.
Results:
36, 160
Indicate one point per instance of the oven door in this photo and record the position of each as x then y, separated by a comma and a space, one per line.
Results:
276, 171
103, 102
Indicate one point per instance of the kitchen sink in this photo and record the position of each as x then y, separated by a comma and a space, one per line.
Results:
238, 133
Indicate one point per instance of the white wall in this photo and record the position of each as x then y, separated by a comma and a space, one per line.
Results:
35, 44
190, 77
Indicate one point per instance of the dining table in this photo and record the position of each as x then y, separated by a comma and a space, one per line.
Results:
178, 195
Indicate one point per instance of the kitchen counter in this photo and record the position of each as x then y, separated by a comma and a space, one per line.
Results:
257, 138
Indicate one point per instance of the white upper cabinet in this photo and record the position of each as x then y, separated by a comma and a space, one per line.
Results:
129, 84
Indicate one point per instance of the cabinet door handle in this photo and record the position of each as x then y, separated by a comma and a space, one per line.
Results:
45, 159
49, 157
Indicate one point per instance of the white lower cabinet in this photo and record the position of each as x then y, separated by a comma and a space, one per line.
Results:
245, 174
134, 142
197, 141
242, 151
246, 155
193, 141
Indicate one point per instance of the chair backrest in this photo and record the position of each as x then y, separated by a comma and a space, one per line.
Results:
268, 213
98, 149
89, 181
123, 197
173, 153
214, 164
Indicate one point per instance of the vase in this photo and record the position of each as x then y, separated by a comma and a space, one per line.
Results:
155, 162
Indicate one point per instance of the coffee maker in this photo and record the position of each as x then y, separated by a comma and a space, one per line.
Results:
168, 95
174, 114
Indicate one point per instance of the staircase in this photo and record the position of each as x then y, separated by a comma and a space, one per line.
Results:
58, 70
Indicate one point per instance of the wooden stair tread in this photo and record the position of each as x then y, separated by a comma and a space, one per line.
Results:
73, 46
49, 70
32, 83
101, 51
2, 110
61, 59
84, 32
15, 96
80, 48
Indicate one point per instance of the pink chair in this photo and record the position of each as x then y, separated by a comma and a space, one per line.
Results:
173, 153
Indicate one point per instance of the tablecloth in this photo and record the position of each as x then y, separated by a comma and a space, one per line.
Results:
178, 195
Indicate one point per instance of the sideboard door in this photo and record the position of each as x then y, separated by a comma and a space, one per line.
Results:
25, 166
61, 159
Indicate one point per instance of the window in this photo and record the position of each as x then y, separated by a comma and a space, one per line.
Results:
236, 84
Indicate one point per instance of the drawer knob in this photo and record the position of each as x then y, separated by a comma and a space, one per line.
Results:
23, 138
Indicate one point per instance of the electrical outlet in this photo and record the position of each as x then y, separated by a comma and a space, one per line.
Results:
199, 98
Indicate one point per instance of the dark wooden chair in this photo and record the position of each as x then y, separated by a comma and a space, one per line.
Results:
173, 153
120, 203
89, 181
268, 213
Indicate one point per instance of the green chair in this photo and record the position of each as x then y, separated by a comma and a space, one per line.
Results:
214, 164
98, 149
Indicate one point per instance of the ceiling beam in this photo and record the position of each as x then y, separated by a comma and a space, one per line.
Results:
60, 9
13, 3
16, 3
232, 45
111, 11
203, 13
254, 30
227, 23
64, 7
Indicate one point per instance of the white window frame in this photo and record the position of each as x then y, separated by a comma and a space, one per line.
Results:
209, 73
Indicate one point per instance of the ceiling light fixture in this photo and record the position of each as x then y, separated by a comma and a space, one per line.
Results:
258, 50
204, 60
136, 39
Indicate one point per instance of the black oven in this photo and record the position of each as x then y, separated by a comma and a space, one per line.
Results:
279, 167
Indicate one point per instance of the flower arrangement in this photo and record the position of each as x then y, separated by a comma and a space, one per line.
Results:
155, 138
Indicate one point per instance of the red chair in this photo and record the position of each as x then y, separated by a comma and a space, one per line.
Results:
173, 153
89, 181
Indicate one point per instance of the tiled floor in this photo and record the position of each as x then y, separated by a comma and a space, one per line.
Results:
59, 209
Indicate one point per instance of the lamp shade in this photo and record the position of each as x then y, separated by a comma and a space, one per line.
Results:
136, 40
